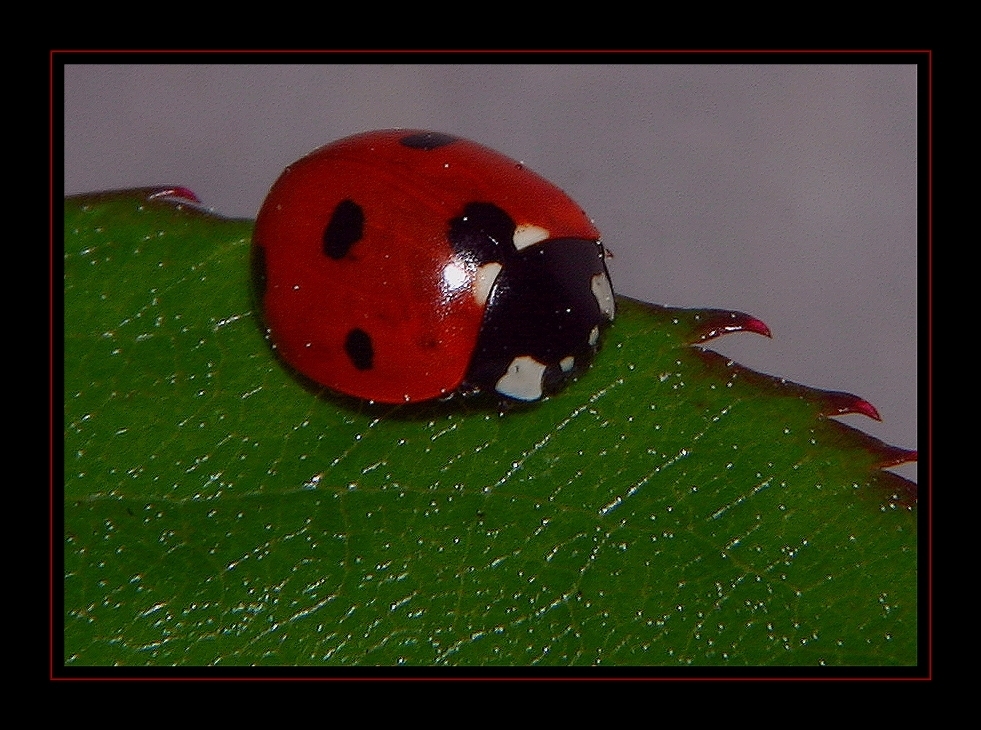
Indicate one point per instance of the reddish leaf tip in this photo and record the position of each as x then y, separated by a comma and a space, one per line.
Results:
758, 326
894, 456
715, 323
177, 193
844, 403
864, 407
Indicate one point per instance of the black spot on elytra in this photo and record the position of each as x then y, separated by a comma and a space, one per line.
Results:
484, 233
345, 228
427, 140
359, 349
259, 276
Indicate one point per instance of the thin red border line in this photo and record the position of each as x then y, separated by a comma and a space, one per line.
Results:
51, 365
500, 52
930, 362
929, 212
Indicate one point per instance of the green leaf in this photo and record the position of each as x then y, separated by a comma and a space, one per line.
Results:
668, 508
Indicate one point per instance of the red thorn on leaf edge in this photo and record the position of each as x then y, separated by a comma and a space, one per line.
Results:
840, 404
758, 326
894, 456
176, 193
716, 323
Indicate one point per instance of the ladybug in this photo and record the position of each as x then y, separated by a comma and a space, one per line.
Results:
402, 265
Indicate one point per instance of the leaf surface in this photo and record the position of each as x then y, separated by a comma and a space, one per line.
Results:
668, 508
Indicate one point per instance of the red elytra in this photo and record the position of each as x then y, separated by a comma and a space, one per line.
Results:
391, 313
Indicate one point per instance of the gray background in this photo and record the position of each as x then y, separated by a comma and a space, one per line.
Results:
786, 191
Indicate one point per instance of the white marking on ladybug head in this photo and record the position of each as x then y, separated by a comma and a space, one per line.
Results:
486, 276
527, 235
593, 336
523, 379
603, 291
567, 363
